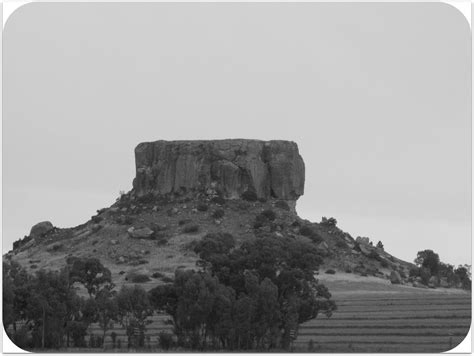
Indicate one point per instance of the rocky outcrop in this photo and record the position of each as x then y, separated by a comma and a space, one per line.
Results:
230, 167
41, 228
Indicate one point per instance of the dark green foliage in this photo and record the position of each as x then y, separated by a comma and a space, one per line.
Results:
139, 278
214, 244
380, 245
97, 219
190, 229
281, 204
202, 207
134, 310
167, 279
165, 340
306, 231
264, 218
330, 271
331, 222
269, 214
250, 297
184, 222
249, 195
89, 272
218, 214
340, 243
157, 275
384, 263
428, 259
146, 199
218, 200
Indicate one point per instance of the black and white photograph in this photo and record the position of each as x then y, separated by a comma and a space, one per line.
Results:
252, 177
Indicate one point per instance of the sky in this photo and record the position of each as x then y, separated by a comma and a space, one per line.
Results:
376, 95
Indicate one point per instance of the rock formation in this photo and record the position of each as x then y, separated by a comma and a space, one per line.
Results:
270, 169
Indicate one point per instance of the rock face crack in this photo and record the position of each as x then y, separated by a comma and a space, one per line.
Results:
268, 168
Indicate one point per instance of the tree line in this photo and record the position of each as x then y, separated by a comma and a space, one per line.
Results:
252, 296
429, 265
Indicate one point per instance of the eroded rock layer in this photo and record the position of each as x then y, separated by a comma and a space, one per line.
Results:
232, 167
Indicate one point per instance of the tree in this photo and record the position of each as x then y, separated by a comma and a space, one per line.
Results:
253, 296
102, 309
428, 259
380, 245
89, 272
134, 309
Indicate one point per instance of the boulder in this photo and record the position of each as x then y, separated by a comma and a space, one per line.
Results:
143, 233
395, 278
365, 249
270, 169
41, 228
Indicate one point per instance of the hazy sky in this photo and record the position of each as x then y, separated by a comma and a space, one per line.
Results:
377, 96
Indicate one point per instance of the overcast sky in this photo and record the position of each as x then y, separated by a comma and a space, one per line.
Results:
377, 96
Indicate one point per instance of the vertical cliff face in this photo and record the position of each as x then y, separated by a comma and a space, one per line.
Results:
231, 167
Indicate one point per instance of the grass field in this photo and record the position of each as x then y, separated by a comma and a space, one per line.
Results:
375, 316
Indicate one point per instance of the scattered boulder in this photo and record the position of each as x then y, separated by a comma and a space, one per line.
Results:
113, 242
395, 278
364, 249
41, 228
143, 233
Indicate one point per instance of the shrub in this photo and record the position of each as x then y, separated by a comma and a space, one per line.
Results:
331, 271
138, 278
202, 207
262, 200
146, 199
306, 231
384, 264
184, 222
165, 340
97, 219
249, 195
331, 222
33, 266
218, 214
341, 243
281, 204
167, 279
269, 214
218, 200
296, 223
157, 275
316, 238
191, 229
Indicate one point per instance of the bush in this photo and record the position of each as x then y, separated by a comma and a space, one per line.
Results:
331, 222
218, 200
249, 195
96, 219
281, 204
165, 340
33, 266
269, 214
202, 207
157, 275
138, 278
316, 238
167, 279
218, 214
184, 222
191, 229
384, 264
341, 243
330, 271
146, 199
306, 231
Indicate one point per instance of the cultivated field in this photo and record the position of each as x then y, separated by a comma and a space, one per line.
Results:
374, 316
